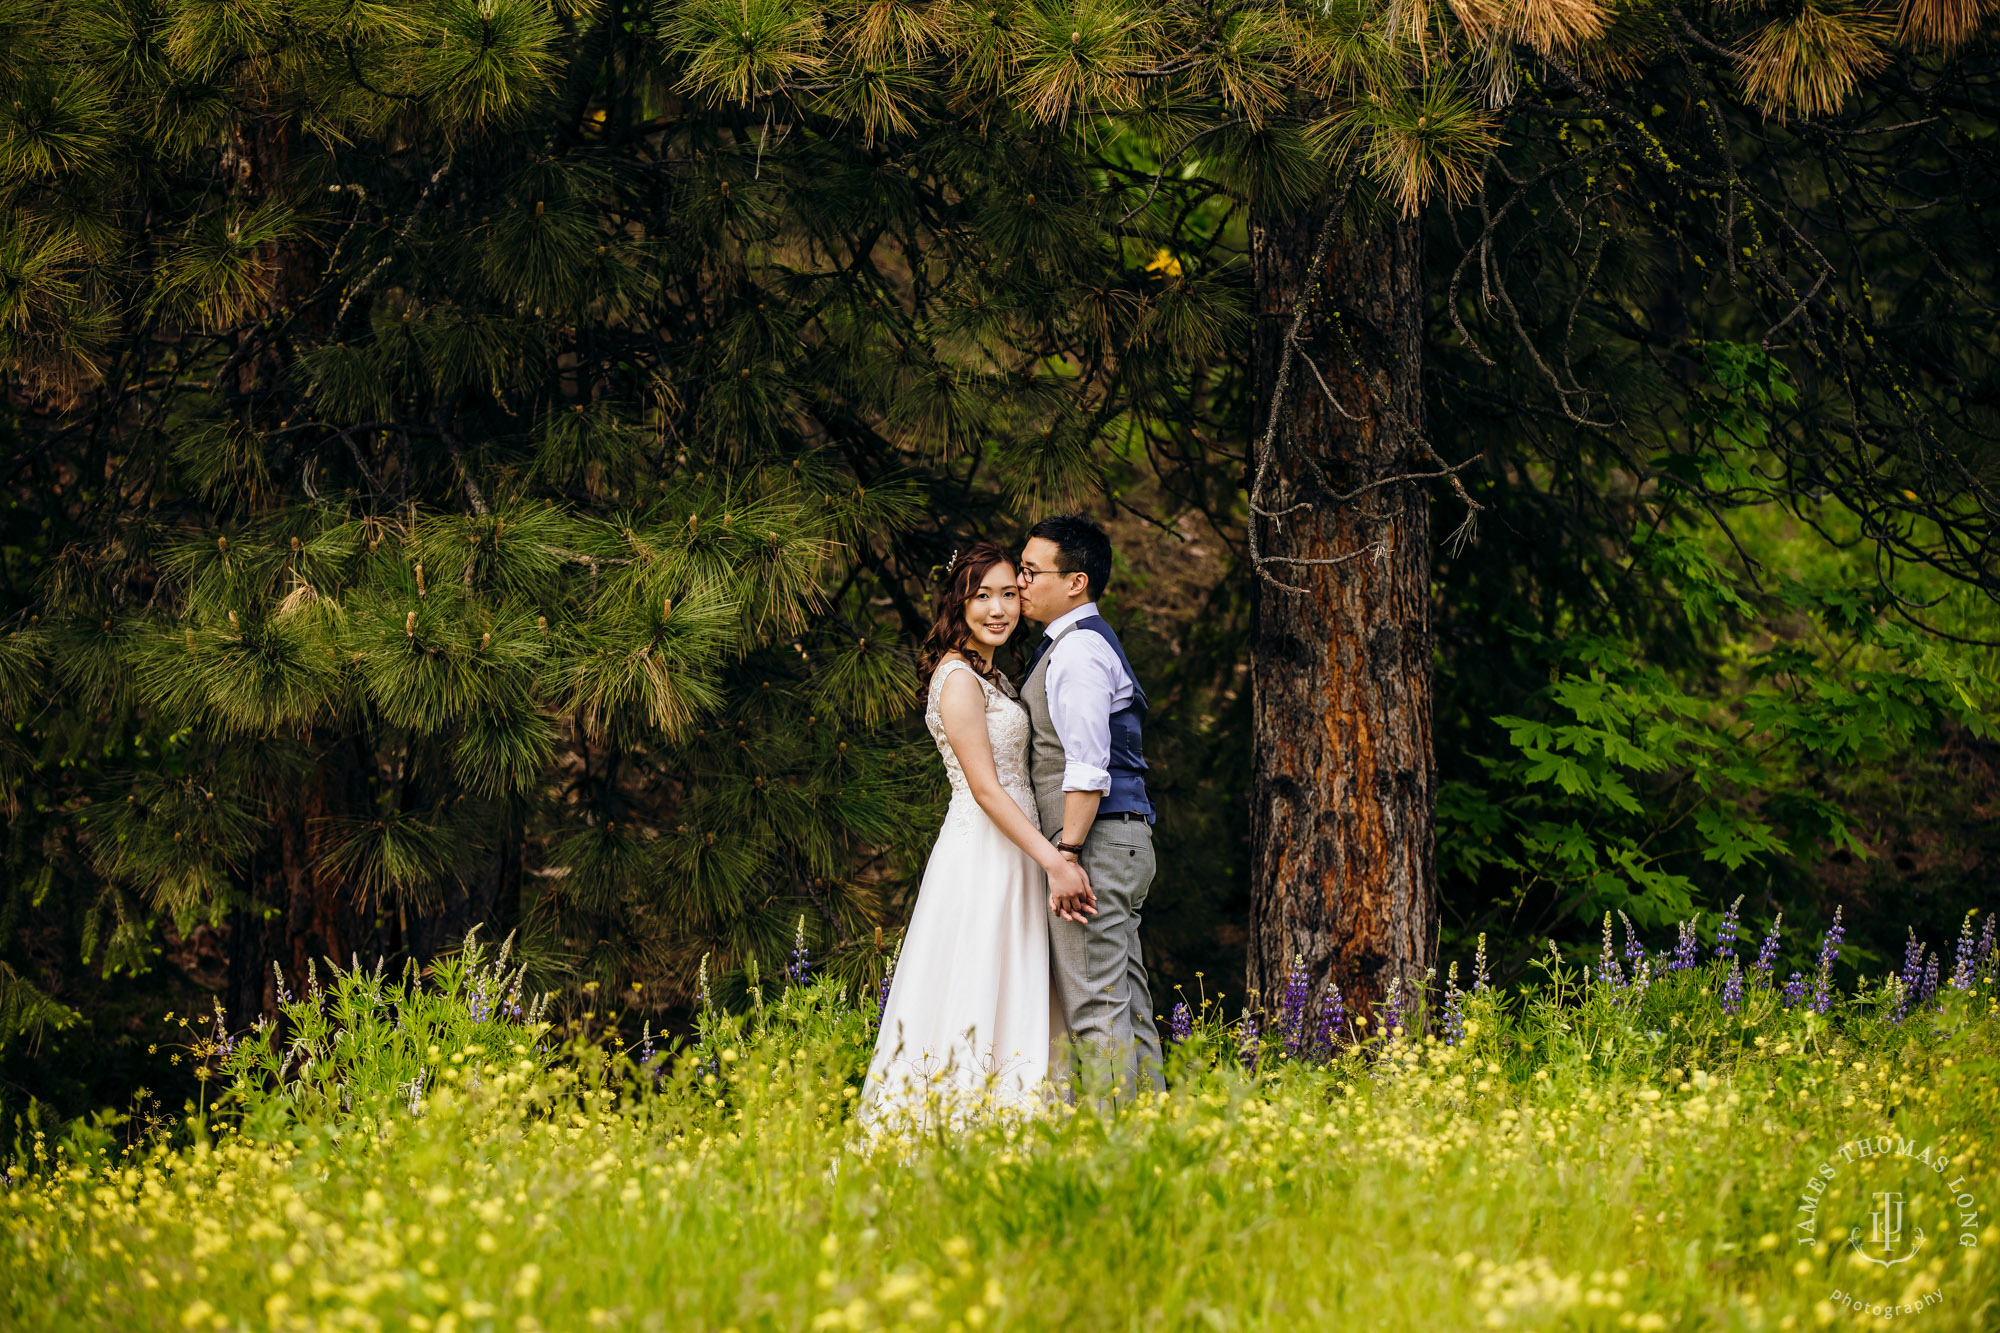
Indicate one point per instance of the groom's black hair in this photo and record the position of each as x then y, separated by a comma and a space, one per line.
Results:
1083, 546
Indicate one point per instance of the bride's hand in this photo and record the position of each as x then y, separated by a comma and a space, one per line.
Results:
1070, 894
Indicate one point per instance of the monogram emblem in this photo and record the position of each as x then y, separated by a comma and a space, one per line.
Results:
1886, 1232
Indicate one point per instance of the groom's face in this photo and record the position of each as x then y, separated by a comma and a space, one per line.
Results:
1047, 593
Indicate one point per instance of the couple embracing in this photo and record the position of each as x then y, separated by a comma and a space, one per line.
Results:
1021, 961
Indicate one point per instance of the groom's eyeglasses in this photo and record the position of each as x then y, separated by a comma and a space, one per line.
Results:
1029, 573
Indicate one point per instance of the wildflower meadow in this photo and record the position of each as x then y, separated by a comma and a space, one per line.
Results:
1669, 1140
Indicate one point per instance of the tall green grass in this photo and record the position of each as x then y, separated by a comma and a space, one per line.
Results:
431, 1156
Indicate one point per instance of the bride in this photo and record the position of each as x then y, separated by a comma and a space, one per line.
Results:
966, 1024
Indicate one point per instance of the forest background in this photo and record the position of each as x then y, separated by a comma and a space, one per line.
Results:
488, 463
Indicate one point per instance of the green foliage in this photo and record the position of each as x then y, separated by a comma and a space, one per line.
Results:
1706, 687
360, 1046
512, 452
24, 1010
1649, 774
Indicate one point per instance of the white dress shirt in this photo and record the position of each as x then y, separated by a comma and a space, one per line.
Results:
1086, 684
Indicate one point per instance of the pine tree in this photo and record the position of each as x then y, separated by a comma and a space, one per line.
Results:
464, 455
1337, 125
508, 418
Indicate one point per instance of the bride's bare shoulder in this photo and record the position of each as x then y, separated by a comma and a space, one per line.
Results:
943, 676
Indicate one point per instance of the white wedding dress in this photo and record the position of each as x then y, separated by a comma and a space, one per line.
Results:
966, 1028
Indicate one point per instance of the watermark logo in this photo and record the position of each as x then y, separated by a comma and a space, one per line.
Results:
1887, 1232
1898, 1207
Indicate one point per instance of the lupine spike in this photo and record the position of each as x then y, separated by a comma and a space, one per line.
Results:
1634, 950
1732, 986
1962, 960
1829, 953
1332, 1017
1248, 1046
1767, 954
1292, 1014
1911, 977
1608, 970
1479, 982
1390, 1014
1180, 1023
801, 964
1454, 1003
1725, 934
1685, 948
882, 991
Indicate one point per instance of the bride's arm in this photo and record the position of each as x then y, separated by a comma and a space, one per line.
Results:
962, 709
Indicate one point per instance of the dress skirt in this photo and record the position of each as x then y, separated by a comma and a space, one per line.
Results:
967, 1023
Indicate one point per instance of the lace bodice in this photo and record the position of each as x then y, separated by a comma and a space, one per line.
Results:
1007, 729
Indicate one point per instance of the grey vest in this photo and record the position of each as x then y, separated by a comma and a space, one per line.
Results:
1046, 759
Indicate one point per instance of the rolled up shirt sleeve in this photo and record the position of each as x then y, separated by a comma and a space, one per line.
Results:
1083, 684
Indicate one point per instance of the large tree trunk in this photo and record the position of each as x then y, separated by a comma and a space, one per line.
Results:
1343, 869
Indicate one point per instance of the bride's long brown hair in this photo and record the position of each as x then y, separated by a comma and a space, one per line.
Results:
949, 632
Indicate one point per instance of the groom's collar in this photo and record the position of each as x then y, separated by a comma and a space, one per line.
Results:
1068, 618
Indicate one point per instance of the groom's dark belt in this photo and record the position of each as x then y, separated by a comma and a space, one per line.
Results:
1124, 814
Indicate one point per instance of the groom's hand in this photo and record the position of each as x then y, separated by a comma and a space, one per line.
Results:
1070, 894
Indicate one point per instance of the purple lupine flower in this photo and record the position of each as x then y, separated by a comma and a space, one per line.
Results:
1767, 955
1962, 961
1180, 1023
1389, 1014
1247, 1044
1332, 1016
1725, 934
1685, 950
1930, 979
225, 1044
1912, 977
1732, 986
1608, 970
703, 997
1795, 989
1479, 982
1292, 1013
1829, 953
284, 993
1454, 1003
1634, 950
882, 990
1988, 954
800, 968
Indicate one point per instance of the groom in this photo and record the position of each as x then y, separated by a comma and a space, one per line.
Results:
1090, 791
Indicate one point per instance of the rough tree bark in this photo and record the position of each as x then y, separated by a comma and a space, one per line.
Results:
1343, 869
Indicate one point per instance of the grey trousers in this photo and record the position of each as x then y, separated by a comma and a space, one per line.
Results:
1096, 970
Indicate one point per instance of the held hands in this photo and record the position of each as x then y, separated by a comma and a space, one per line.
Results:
1070, 894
